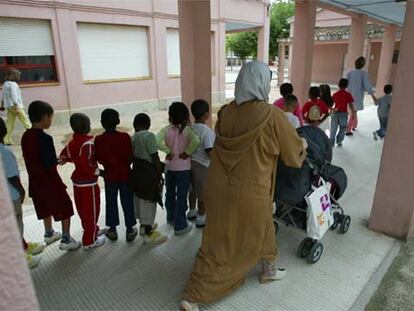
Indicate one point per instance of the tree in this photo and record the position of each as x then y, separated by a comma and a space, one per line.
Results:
244, 44
280, 12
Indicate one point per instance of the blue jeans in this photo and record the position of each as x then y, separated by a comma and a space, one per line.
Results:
127, 202
383, 127
177, 184
338, 119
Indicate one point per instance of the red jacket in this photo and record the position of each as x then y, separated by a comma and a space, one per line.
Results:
81, 151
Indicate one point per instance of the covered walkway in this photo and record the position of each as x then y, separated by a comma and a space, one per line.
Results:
140, 277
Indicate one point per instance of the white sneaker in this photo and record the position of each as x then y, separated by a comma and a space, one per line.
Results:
33, 261
53, 238
156, 237
200, 221
375, 135
192, 214
142, 229
188, 306
271, 273
35, 248
100, 240
71, 246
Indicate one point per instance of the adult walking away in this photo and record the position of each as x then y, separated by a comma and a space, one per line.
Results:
358, 84
12, 101
251, 136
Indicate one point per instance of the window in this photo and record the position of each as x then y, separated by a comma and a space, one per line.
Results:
27, 45
173, 52
113, 52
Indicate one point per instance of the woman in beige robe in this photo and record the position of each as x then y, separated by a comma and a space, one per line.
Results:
251, 136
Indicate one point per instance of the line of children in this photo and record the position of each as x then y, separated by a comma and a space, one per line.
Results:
343, 102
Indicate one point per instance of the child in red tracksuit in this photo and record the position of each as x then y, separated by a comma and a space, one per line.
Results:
81, 151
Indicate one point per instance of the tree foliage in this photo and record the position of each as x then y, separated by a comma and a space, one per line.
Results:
244, 44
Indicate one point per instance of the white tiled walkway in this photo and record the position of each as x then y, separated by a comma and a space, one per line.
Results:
121, 276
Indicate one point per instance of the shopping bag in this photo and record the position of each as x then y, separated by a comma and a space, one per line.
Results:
319, 212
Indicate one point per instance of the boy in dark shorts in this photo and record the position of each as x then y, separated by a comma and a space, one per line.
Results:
46, 188
113, 150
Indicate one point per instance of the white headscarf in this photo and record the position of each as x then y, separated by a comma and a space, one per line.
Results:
253, 82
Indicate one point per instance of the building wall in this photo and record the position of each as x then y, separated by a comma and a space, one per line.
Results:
72, 93
328, 60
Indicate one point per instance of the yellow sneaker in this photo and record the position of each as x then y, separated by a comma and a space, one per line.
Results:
156, 237
33, 261
35, 248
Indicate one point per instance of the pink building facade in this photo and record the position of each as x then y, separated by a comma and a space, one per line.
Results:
85, 55
330, 50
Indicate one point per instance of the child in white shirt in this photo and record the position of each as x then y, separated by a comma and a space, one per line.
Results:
290, 105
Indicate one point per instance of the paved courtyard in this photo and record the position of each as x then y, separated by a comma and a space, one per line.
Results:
122, 276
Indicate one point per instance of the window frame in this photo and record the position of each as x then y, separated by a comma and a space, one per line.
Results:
4, 66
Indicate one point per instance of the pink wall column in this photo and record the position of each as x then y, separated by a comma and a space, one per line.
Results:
393, 207
385, 63
281, 64
356, 41
302, 54
16, 289
263, 37
195, 50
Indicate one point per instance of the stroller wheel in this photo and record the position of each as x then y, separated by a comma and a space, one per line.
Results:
315, 253
276, 226
305, 247
336, 221
346, 222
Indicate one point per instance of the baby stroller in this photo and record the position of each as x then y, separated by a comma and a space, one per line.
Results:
293, 184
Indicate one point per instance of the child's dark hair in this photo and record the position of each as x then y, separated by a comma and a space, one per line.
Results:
142, 122
179, 115
325, 94
291, 101
199, 108
360, 62
388, 89
109, 119
3, 129
286, 89
80, 123
38, 109
314, 92
343, 83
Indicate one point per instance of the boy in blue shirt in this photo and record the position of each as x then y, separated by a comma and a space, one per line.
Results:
384, 104
17, 195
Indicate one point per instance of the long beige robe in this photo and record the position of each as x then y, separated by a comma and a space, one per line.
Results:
238, 196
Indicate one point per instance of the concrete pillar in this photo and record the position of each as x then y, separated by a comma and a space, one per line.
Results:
356, 41
302, 54
290, 50
393, 208
263, 37
16, 289
367, 53
281, 64
385, 62
222, 61
195, 50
